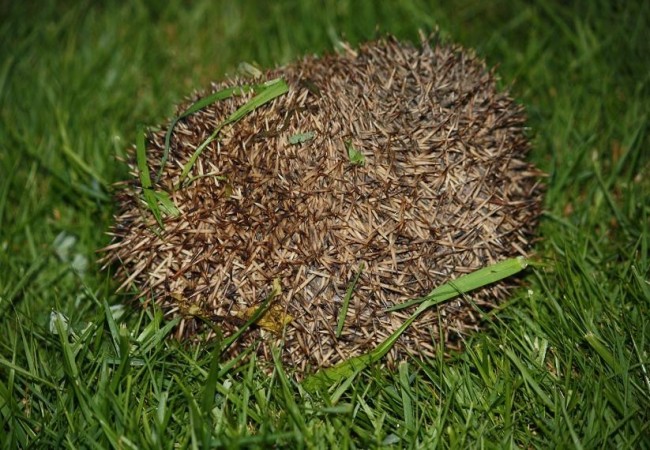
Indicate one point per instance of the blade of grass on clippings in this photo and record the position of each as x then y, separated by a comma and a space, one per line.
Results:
349, 368
145, 179
353, 366
141, 159
301, 138
166, 204
354, 155
479, 278
195, 107
259, 312
346, 302
269, 91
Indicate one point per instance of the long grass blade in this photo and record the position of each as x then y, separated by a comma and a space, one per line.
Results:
196, 107
465, 283
481, 277
268, 91
145, 179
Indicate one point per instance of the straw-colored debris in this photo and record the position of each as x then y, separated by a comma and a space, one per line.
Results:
444, 190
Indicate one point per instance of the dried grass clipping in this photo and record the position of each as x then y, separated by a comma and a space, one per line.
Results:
404, 161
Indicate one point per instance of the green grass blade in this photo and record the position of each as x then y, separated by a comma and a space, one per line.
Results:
529, 379
465, 283
150, 197
113, 328
481, 277
603, 351
152, 201
300, 138
141, 159
210, 385
195, 107
259, 312
346, 302
166, 204
153, 339
407, 396
29, 375
354, 155
267, 92
68, 151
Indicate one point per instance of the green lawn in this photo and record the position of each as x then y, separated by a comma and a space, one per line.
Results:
564, 364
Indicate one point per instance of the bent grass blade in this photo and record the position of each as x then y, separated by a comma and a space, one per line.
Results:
160, 202
351, 367
267, 92
196, 107
145, 179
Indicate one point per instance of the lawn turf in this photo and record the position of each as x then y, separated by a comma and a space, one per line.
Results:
564, 364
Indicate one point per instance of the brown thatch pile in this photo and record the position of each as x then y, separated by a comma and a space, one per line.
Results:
444, 190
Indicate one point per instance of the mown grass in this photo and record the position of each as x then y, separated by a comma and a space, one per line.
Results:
564, 364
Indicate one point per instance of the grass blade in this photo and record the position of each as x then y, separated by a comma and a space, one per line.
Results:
113, 328
603, 351
407, 396
259, 312
346, 302
528, 378
465, 283
141, 158
166, 204
300, 138
145, 179
269, 91
197, 106
481, 277
354, 155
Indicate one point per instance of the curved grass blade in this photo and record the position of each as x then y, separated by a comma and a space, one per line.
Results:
351, 367
346, 302
145, 179
267, 92
197, 106
468, 282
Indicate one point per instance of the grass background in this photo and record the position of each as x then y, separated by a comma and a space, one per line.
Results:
563, 364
